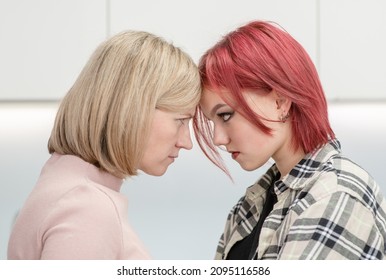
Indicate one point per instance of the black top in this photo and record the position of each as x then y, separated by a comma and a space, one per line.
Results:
245, 249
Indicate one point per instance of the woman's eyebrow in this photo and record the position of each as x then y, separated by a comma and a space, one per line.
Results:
189, 114
215, 108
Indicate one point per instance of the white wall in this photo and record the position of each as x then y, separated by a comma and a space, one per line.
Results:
45, 43
352, 49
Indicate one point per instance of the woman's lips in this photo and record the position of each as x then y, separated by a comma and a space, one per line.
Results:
235, 154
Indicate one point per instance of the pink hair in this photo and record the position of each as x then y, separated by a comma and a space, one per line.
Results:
261, 56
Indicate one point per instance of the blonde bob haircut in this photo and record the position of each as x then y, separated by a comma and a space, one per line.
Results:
106, 116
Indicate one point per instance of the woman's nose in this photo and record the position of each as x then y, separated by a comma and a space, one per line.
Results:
220, 137
184, 139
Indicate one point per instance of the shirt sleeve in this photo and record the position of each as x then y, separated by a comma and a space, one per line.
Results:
230, 234
83, 225
337, 227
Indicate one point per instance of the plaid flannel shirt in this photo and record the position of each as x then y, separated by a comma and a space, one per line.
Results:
328, 208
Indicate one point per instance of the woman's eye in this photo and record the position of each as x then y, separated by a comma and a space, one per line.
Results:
184, 121
225, 116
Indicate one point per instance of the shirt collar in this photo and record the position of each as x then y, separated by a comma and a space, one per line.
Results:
310, 166
81, 168
307, 168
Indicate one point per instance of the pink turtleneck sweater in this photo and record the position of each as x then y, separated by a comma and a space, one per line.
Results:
75, 212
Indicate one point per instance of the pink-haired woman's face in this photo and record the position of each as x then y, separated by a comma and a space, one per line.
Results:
246, 143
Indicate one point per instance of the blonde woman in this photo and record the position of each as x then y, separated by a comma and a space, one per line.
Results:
128, 110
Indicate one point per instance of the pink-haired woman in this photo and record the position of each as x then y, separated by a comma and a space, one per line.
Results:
263, 99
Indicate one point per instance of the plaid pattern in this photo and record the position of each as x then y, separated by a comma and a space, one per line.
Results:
328, 208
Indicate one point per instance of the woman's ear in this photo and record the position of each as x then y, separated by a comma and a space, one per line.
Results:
283, 105
282, 102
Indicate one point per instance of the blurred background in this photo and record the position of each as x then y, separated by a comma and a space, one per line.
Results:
45, 43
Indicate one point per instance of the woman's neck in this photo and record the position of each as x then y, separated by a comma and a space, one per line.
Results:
287, 159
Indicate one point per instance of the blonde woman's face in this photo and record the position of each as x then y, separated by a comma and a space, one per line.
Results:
169, 133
